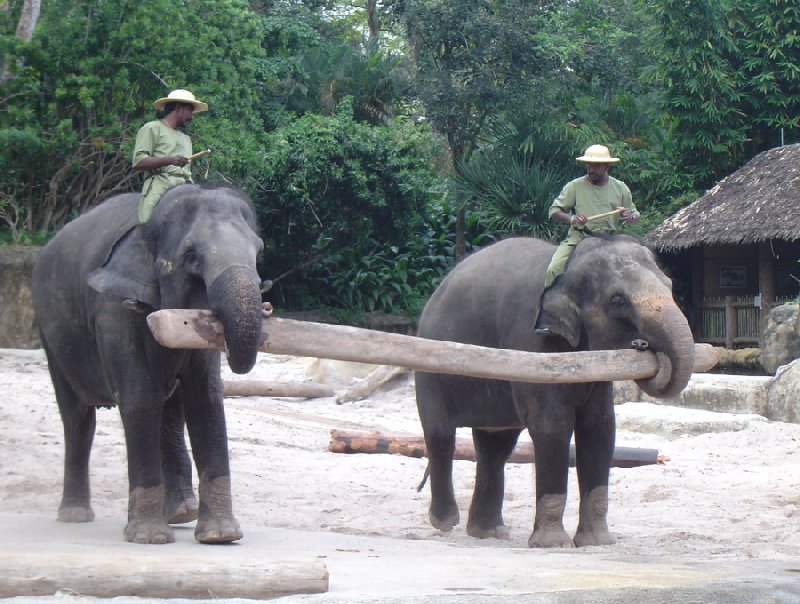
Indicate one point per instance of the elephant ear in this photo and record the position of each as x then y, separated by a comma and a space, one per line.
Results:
129, 272
560, 313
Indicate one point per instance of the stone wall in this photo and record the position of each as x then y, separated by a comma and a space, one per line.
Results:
17, 328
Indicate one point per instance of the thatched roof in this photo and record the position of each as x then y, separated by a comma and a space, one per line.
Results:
758, 202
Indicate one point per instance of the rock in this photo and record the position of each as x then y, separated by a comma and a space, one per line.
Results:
783, 401
743, 358
16, 321
781, 342
672, 423
710, 392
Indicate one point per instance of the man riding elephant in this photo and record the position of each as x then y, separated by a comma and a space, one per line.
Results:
163, 150
596, 198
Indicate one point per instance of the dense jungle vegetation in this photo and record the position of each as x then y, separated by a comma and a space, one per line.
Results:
380, 141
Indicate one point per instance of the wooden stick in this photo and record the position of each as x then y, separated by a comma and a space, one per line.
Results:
365, 387
261, 388
175, 328
199, 154
345, 441
604, 214
161, 576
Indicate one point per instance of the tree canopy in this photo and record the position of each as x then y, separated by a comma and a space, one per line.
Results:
367, 131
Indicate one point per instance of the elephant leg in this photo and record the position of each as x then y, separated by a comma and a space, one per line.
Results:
79, 426
205, 418
440, 445
147, 494
492, 449
176, 465
594, 444
552, 471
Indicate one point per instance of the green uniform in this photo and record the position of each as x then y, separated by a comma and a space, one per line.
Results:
156, 139
580, 196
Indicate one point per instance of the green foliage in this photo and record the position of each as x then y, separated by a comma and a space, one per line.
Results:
83, 86
514, 177
373, 275
330, 182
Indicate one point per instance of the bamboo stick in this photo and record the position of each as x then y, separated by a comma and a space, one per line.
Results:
603, 215
175, 328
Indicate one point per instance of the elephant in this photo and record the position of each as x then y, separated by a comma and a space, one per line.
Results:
612, 295
92, 286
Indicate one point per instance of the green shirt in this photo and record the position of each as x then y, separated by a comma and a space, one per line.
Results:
580, 196
156, 139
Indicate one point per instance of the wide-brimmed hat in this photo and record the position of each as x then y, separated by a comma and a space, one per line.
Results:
181, 96
597, 154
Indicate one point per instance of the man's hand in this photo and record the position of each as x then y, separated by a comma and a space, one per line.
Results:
578, 219
628, 215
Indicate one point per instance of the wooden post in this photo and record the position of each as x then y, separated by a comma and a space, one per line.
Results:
731, 323
766, 285
200, 329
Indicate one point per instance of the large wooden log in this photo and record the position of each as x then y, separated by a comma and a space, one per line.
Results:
200, 329
157, 577
346, 441
262, 388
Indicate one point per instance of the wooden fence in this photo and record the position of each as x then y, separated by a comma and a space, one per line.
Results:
731, 321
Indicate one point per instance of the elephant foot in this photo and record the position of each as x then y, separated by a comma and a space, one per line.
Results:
592, 524
183, 511
216, 523
75, 513
594, 537
548, 527
156, 533
550, 538
146, 522
446, 520
213, 530
501, 532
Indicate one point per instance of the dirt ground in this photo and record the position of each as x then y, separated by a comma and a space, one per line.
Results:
729, 494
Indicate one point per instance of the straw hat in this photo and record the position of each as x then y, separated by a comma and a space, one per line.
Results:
597, 154
180, 96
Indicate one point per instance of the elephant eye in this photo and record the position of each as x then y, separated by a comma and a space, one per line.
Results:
617, 302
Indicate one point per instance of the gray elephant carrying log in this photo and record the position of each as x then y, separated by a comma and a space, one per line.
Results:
612, 295
92, 286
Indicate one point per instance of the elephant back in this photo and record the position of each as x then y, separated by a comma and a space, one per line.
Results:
484, 296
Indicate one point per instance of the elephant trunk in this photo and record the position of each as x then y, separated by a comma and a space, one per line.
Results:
235, 297
669, 335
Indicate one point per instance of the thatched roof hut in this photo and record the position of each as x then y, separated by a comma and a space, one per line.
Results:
735, 250
758, 202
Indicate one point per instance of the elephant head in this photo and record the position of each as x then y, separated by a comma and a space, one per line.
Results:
198, 250
613, 294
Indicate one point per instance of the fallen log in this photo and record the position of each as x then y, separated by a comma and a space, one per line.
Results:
365, 387
157, 577
345, 441
175, 328
261, 388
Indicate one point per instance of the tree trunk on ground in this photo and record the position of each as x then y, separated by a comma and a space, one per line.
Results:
344, 441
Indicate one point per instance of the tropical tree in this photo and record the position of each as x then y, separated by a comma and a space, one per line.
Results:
85, 82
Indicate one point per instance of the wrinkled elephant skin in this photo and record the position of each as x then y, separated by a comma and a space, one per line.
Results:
93, 286
611, 296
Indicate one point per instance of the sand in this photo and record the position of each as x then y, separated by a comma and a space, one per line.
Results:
730, 491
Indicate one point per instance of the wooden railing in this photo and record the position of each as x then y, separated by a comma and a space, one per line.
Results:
732, 322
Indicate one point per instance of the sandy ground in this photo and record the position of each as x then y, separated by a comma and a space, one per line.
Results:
729, 494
